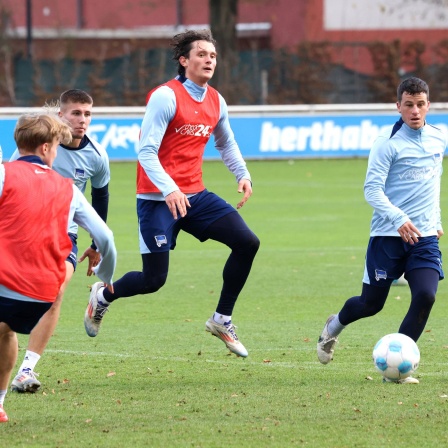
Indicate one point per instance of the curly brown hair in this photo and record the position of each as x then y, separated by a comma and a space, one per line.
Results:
182, 43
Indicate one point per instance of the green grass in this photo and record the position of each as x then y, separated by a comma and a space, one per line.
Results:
154, 378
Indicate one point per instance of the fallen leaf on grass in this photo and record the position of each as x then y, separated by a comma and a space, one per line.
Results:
266, 360
89, 420
369, 378
110, 374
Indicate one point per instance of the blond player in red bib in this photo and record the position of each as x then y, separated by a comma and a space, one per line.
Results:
35, 201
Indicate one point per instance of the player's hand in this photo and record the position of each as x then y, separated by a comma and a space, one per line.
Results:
439, 233
177, 203
94, 258
244, 185
409, 233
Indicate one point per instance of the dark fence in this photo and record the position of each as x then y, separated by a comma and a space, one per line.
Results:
313, 73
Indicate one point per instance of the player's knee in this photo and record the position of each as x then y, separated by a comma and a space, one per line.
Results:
373, 308
154, 283
254, 243
425, 298
250, 245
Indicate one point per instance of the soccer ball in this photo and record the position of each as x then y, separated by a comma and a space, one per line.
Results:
396, 356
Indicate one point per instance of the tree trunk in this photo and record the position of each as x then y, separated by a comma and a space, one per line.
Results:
223, 16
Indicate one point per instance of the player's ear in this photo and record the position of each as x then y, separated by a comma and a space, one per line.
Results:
183, 61
43, 148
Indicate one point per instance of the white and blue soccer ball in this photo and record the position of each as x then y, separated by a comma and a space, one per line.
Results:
396, 356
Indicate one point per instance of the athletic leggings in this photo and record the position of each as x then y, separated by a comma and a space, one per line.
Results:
230, 230
423, 284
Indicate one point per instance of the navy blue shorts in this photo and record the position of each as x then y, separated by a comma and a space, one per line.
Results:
73, 257
22, 316
158, 229
388, 257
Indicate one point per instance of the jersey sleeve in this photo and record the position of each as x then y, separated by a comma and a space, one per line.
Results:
101, 177
380, 160
160, 110
85, 216
227, 146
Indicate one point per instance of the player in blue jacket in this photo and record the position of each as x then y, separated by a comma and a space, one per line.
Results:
403, 187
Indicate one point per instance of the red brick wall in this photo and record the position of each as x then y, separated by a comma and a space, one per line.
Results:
292, 20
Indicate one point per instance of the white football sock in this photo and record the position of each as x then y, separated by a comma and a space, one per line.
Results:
100, 297
221, 318
2, 396
335, 327
30, 361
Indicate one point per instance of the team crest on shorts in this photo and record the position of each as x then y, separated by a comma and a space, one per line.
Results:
380, 274
160, 240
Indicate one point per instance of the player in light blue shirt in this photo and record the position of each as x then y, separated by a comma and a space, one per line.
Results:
83, 160
403, 187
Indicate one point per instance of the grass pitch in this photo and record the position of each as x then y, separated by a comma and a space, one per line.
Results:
154, 378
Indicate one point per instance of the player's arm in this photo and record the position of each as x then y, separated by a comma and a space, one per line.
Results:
380, 160
85, 216
2, 178
159, 112
230, 153
437, 193
100, 203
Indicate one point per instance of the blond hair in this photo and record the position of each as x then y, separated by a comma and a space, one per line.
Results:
33, 130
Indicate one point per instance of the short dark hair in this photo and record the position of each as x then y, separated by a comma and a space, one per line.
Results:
182, 43
75, 96
412, 86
